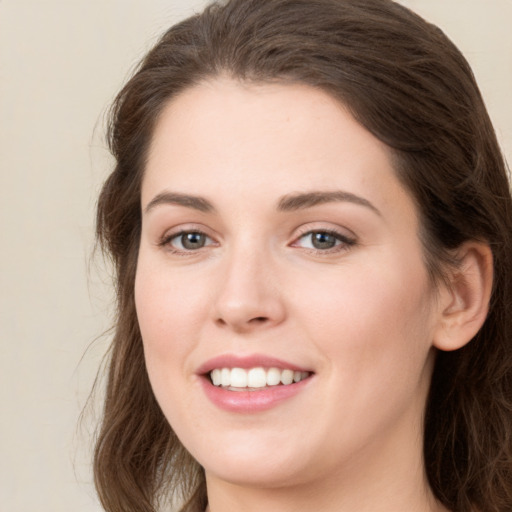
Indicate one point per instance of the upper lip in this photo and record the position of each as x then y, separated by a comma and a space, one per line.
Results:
246, 362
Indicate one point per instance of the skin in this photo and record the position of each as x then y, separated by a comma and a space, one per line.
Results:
363, 316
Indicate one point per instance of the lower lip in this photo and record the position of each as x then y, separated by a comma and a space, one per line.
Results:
251, 401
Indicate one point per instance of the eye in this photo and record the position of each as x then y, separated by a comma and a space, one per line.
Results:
323, 240
186, 241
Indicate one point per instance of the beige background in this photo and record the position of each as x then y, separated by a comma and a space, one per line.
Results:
61, 62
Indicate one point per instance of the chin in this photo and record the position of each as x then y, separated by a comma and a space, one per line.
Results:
259, 462
258, 473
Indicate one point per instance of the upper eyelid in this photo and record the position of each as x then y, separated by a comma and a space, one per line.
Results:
191, 227
346, 237
332, 232
312, 227
343, 239
166, 242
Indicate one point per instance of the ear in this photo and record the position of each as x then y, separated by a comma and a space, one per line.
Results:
464, 301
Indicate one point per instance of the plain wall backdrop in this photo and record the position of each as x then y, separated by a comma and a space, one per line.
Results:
61, 63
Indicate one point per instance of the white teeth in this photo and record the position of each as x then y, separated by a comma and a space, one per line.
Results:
216, 377
238, 378
225, 377
255, 378
273, 376
287, 377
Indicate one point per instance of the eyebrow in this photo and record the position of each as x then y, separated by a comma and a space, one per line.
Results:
288, 203
305, 200
176, 198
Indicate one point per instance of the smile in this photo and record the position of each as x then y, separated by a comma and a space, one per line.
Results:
240, 379
253, 383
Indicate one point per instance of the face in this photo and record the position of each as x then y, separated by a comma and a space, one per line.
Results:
281, 291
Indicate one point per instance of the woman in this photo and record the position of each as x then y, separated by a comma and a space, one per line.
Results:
311, 225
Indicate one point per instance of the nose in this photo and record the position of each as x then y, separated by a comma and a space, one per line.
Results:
249, 296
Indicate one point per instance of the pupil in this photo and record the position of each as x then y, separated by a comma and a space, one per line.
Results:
192, 240
323, 240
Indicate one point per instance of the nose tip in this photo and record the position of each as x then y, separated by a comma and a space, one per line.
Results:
248, 300
245, 316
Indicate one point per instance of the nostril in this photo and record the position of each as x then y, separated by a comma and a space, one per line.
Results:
221, 322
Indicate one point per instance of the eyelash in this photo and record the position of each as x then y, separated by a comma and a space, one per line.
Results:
167, 241
345, 242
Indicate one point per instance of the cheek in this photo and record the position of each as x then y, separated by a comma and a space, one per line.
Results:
385, 295
168, 318
373, 332
374, 323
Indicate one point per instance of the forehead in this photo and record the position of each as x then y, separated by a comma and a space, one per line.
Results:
223, 113
225, 138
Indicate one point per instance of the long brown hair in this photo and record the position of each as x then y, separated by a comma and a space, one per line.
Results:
406, 83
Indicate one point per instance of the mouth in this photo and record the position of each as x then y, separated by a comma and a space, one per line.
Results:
252, 383
255, 379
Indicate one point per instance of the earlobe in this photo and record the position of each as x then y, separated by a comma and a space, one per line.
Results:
464, 303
